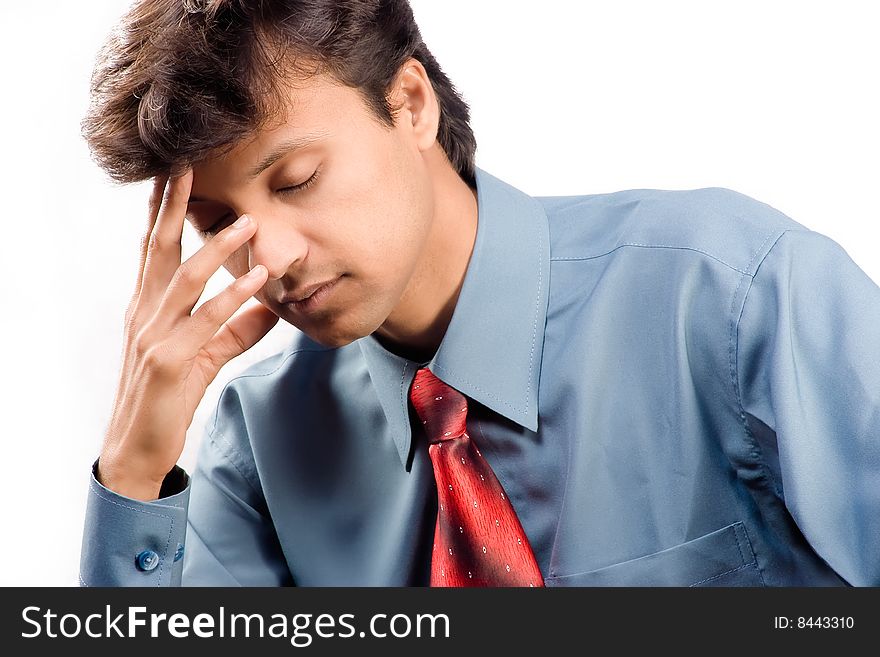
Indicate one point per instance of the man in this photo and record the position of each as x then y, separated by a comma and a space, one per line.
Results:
641, 388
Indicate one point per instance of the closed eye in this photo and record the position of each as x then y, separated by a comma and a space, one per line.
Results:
286, 191
303, 185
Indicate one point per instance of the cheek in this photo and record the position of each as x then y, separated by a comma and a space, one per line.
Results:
381, 212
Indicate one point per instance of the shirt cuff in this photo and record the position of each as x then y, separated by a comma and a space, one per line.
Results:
128, 542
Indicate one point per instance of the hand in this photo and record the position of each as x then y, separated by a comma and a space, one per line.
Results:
170, 354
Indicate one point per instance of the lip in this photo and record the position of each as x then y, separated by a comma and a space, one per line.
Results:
308, 298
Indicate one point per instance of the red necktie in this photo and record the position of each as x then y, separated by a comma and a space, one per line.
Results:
478, 540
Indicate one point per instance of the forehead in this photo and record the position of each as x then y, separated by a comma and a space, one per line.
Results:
310, 110
317, 104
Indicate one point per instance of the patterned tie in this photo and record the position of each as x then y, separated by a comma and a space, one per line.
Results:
478, 540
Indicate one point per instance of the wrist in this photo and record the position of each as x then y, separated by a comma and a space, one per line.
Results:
125, 483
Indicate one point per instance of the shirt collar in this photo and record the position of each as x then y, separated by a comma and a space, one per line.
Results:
492, 349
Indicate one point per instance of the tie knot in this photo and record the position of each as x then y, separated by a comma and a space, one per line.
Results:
441, 408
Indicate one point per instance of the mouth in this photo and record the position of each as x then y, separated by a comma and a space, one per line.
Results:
308, 298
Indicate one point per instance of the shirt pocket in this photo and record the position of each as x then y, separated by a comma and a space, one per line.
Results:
721, 558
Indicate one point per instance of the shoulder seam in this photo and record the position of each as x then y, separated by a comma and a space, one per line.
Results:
214, 436
257, 375
733, 346
733, 355
227, 451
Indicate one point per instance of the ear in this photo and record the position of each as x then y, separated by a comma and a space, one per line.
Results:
418, 110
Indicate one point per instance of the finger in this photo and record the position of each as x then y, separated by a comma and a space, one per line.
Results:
159, 185
163, 248
212, 314
240, 334
188, 282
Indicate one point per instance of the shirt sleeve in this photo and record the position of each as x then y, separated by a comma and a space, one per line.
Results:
212, 529
230, 539
128, 542
808, 367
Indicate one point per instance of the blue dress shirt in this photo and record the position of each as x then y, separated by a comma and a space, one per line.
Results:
674, 388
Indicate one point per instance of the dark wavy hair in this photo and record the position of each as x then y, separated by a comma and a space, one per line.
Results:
181, 80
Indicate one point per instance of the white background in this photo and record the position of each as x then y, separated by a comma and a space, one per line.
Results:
774, 98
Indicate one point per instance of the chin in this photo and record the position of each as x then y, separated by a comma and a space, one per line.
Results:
335, 336
340, 329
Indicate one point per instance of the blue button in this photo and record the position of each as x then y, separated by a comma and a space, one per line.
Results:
147, 560
178, 554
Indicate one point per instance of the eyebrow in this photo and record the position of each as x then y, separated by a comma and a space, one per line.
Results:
283, 148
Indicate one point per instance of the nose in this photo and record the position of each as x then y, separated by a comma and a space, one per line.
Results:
277, 244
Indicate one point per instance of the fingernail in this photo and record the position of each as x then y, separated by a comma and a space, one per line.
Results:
256, 272
243, 222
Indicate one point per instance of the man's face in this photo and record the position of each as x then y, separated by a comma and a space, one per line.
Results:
361, 220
